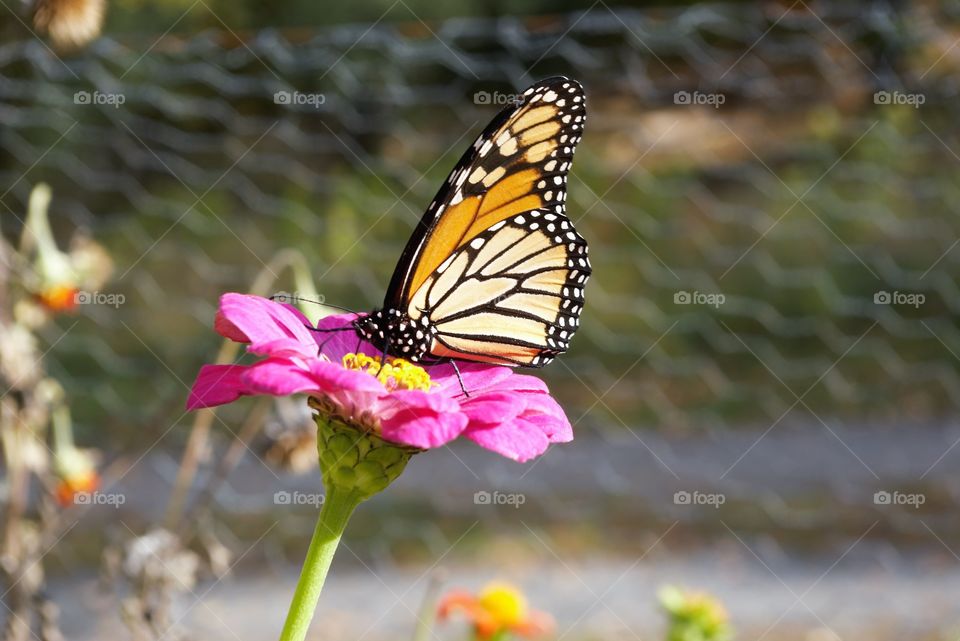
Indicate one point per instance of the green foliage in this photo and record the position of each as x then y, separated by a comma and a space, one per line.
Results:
694, 616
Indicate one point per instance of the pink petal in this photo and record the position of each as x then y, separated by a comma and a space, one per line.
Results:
216, 385
477, 377
519, 439
279, 377
421, 419
493, 407
544, 411
261, 322
556, 429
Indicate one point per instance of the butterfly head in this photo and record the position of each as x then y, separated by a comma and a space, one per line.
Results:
396, 333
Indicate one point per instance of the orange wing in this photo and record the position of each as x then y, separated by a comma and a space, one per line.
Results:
518, 164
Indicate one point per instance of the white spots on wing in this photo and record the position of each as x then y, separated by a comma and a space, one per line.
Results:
478, 174
493, 177
477, 243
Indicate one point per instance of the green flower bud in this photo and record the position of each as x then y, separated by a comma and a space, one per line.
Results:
355, 459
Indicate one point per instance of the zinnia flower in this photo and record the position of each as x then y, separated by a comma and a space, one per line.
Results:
399, 401
372, 413
76, 474
498, 610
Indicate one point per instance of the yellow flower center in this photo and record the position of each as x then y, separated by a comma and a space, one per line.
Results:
395, 373
504, 603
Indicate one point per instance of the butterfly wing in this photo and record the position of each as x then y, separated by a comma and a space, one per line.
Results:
512, 295
498, 280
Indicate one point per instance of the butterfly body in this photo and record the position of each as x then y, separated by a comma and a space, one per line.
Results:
495, 270
394, 332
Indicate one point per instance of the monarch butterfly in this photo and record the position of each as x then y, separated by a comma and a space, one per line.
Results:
495, 271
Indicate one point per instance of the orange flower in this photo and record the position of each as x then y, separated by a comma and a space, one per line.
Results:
75, 468
69, 487
498, 610
59, 298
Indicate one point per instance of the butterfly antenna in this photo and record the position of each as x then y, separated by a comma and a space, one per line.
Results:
329, 329
292, 299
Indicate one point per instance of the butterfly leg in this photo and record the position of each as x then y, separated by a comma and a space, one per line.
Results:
326, 331
459, 378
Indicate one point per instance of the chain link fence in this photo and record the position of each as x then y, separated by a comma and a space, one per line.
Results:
759, 211
767, 189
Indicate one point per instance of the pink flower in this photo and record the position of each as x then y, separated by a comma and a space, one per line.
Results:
511, 414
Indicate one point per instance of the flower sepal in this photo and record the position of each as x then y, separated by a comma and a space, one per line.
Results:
353, 458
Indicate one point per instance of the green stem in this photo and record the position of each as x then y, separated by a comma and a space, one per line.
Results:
338, 505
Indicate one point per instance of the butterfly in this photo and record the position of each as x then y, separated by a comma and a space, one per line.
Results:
495, 271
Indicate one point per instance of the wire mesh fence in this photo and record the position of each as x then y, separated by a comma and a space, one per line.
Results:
766, 188
767, 225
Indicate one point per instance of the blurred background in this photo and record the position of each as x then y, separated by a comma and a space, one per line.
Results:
765, 388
